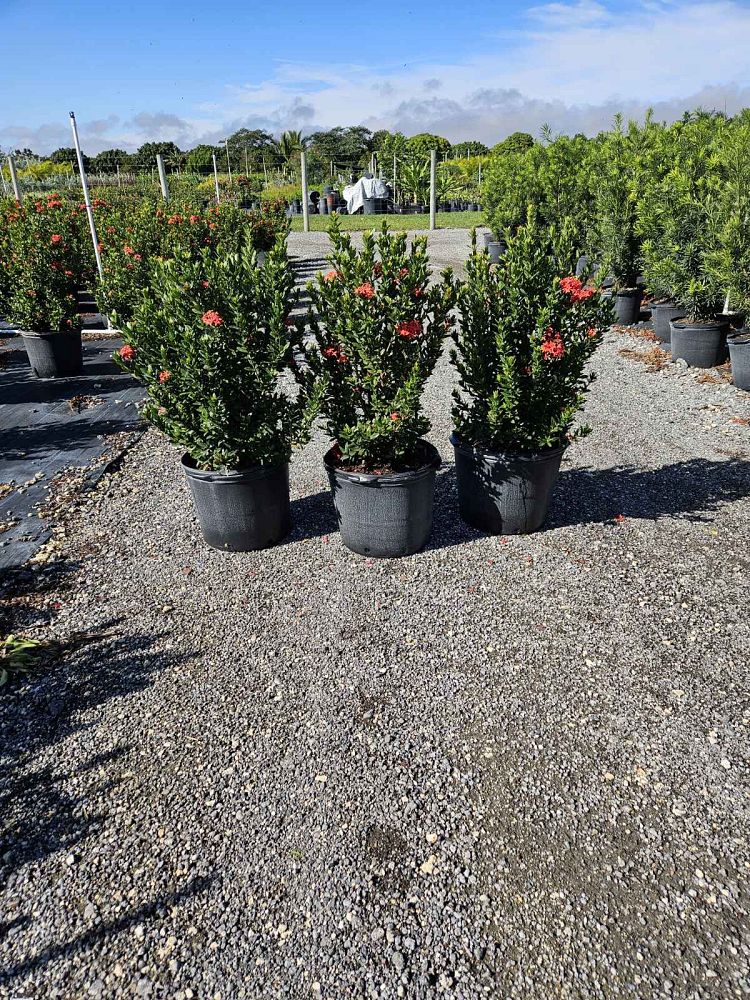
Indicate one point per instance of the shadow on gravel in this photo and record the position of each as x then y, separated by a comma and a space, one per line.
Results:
312, 517
684, 489
96, 936
44, 809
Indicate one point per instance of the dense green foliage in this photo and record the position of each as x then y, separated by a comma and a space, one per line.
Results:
378, 332
526, 331
211, 340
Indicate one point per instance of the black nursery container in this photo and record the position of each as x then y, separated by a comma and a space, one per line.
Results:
388, 515
628, 306
662, 314
739, 355
505, 493
701, 345
243, 510
54, 354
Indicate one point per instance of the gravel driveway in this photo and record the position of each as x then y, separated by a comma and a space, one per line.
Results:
506, 768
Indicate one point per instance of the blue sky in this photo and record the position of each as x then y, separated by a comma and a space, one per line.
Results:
192, 71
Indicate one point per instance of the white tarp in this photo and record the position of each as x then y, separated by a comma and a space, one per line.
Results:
366, 187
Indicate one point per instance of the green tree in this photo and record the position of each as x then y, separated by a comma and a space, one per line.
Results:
108, 161
516, 142
67, 154
470, 148
419, 146
199, 160
145, 157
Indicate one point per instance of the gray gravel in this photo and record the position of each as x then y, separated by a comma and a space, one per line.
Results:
511, 768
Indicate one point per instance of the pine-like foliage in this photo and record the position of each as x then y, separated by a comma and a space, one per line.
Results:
378, 330
614, 235
525, 333
211, 340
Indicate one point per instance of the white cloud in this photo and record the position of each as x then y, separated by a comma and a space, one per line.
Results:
573, 65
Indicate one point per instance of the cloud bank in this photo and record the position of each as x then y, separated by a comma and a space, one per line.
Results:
573, 66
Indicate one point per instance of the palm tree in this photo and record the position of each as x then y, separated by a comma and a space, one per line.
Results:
291, 145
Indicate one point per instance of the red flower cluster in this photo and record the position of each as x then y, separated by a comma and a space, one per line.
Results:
365, 291
128, 250
410, 330
164, 377
395, 416
174, 220
591, 332
127, 353
552, 345
573, 287
56, 239
332, 276
194, 218
336, 355
212, 318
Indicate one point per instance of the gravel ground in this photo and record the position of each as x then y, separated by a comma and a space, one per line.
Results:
511, 768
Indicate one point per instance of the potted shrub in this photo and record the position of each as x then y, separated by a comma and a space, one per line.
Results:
211, 339
614, 235
43, 271
378, 332
523, 339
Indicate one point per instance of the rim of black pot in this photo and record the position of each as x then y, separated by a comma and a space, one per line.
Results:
217, 475
524, 456
433, 461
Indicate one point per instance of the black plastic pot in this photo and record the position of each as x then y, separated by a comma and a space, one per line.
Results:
243, 510
628, 306
505, 493
384, 515
496, 250
739, 355
54, 355
662, 313
702, 345
735, 319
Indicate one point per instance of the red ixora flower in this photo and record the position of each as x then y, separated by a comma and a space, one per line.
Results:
56, 239
395, 416
332, 276
164, 377
194, 218
552, 345
128, 250
591, 332
174, 220
212, 318
204, 284
417, 293
365, 291
127, 353
410, 330
573, 287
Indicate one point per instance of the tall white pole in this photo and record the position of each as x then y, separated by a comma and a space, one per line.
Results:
394, 176
86, 198
247, 169
119, 179
14, 180
216, 179
162, 177
2, 178
433, 186
305, 210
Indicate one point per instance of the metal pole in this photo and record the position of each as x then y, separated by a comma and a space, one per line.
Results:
119, 179
305, 209
394, 176
14, 180
265, 172
247, 169
162, 177
433, 186
216, 179
86, 198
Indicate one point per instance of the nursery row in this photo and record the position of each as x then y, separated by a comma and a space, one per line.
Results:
236, 381
670, 204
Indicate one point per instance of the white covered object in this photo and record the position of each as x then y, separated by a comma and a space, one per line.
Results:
366, 187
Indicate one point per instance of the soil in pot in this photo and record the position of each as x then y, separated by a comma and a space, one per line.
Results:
54, 354
505, 493
662, 313
384, 515
701, 345
242, 510
628, 306
739, 355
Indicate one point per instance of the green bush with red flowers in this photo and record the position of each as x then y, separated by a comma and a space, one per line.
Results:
525, 333
378, 330
213, 342
43, 265
133, 239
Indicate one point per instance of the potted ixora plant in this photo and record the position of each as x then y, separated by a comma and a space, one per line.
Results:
615, 238
211, 339
378, 332
523, 339
43, 270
